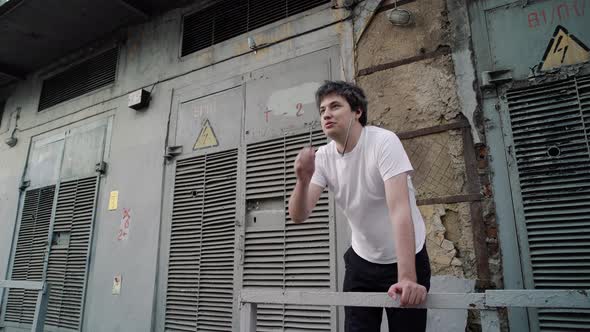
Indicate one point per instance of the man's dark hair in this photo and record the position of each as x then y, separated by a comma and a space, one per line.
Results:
352, 93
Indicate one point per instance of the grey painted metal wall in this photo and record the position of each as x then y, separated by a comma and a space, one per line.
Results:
517, 44
135, 153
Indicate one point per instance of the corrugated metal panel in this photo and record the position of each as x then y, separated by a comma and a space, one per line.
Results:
30, 251
82, 78
551, 132
67, 266
231, 18
294, 257
201, 260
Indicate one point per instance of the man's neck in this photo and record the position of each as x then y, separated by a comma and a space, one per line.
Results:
353, 138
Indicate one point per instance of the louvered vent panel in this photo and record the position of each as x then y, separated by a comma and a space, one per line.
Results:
286, 255
30, 249
82, 78
307, 247
231, 18
185, 249
201, 262
217, 244
553, 159
307, 318
68, 262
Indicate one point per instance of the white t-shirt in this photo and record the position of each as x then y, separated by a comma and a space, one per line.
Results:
357, 181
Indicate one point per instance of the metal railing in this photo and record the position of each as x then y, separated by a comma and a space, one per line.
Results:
42, 298
487, 302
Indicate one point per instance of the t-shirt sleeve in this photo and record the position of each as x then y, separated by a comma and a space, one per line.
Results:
392, 157
319, 177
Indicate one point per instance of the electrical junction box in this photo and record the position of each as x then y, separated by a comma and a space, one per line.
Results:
139, 99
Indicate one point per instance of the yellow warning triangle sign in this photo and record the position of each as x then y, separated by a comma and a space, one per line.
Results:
206, 138
564, 49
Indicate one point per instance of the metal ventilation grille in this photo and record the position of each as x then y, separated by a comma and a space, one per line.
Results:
201, 261
82, 78
29, 255
68, 257
285, 255
551, 132
231, 18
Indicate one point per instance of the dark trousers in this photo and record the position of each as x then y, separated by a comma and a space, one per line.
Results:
364, 276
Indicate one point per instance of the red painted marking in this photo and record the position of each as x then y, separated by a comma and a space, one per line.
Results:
533, 20
567, 12
266, 115
299, 107
559, 12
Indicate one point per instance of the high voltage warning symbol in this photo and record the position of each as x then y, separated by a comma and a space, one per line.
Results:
564, 49
206, 138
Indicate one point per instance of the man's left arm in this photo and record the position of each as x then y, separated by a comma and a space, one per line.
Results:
398, 203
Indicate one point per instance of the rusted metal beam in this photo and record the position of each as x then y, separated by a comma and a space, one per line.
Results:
475, 208
449, 199
432, 130
441, 50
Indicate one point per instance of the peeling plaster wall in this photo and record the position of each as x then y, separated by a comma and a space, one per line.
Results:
383, 42
422, 76
417, 95
450, 239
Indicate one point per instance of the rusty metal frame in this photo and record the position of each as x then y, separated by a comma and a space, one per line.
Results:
450, 199
441, 50
433, 130
476, 211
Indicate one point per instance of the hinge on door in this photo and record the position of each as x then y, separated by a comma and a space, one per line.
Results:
493, 78
101, 168
173, 151
24, 185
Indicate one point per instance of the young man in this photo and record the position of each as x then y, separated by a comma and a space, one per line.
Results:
367, 170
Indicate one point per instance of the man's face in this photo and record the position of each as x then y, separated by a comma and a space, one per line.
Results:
335, 115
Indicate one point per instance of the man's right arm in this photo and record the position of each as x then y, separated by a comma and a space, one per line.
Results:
306, 194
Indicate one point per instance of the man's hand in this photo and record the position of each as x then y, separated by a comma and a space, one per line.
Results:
305, 164
411, 293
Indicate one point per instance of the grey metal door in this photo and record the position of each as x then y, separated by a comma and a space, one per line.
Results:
532, 62
547, 132
232, 148
200, 247
55, 227
281, 118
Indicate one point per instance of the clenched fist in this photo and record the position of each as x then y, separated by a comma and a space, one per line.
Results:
410, 293
305, 164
